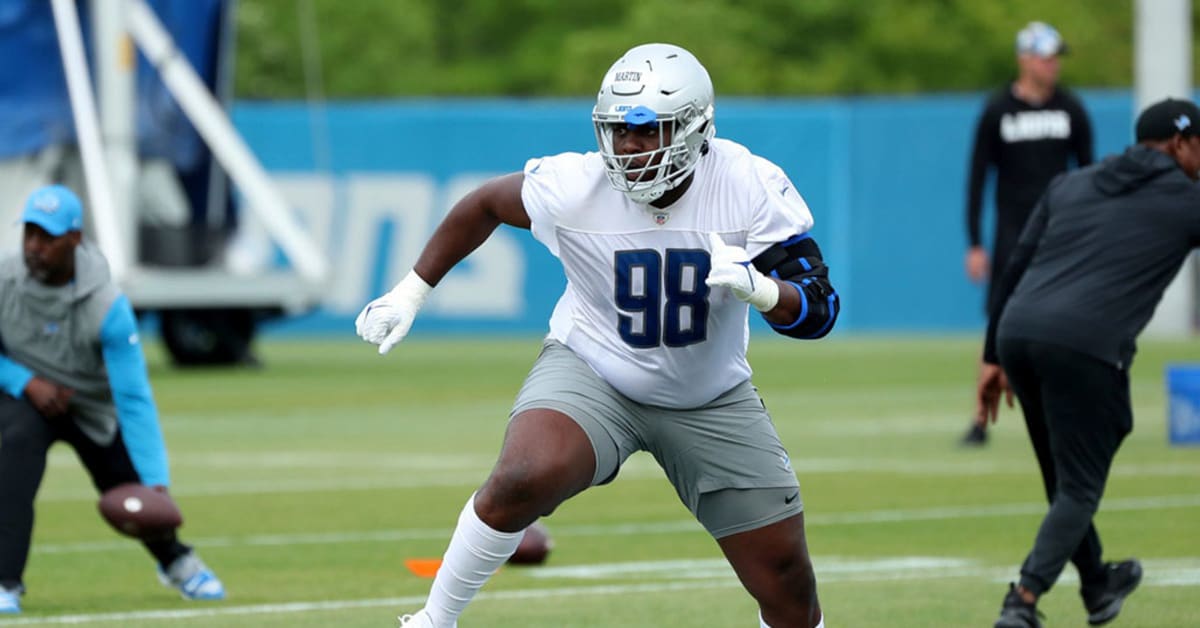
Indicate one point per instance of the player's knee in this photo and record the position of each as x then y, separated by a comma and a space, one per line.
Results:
786, 581
515, 495
794, 571
800, 574
790, 598
788, 594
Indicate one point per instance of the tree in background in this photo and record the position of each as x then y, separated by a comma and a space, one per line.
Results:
406, 48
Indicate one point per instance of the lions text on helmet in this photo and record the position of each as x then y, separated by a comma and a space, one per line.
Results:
660, 91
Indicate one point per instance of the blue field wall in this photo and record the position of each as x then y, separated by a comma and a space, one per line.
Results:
885, 179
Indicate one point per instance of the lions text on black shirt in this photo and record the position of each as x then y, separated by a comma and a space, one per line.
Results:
1028, 145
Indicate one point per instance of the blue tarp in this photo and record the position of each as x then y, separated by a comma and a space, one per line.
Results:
34, 107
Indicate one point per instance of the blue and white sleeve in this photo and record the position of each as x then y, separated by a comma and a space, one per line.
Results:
136, 412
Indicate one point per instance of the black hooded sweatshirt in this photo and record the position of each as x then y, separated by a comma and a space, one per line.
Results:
1094, 259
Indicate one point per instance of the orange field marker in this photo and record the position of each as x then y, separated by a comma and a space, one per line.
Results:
423, 567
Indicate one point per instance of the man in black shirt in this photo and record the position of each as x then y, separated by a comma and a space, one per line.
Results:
1091, 265
1029, 132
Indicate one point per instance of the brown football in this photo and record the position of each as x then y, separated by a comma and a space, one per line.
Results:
140, 511
534, 546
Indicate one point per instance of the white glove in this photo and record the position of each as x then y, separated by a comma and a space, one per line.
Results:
386, 320
731, 268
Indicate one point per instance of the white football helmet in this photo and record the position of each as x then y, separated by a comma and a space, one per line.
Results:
655, 84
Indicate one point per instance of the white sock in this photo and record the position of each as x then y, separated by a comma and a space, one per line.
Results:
476, 551
763, 624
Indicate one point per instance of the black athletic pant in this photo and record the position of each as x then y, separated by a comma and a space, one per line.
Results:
1077, 410
1003, 244
25, 439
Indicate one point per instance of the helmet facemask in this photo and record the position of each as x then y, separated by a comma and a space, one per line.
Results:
662, 85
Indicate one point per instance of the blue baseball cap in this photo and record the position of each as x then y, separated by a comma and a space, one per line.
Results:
1040, 39
55, 209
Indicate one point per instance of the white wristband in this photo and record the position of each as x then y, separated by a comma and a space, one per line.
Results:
413, 287
766, 294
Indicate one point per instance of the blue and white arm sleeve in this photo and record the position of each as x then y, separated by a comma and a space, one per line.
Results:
136, 412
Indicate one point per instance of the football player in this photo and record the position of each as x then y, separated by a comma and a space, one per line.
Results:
666, 235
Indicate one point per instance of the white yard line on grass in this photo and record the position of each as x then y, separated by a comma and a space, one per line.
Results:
1136, 504
466, 472
699, 569
718, 575
1165, 502
398, 603
308, 459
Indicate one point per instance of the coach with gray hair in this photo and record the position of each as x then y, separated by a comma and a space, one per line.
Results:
1101, 246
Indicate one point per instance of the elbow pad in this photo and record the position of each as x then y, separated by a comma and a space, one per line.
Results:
798, 261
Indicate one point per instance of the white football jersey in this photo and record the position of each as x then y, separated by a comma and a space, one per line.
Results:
636, 307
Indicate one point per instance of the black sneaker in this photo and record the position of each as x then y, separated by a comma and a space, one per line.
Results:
975, 437
1104, 602
1016, 613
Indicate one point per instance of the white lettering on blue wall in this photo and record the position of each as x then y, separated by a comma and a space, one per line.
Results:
346, 216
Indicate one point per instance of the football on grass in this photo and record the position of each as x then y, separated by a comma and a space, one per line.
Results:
139, 511
534, 547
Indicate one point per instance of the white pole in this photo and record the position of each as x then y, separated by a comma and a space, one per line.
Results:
83, 110
212, 124
1162, 68
114, 61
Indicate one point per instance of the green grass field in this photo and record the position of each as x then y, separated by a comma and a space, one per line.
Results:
306, 484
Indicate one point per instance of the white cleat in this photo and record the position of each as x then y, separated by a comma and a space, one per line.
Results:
419, 619
10, 600
192, 578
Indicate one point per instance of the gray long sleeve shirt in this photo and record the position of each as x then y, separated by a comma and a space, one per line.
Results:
83, 335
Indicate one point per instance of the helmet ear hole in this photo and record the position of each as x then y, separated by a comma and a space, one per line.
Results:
696, 135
